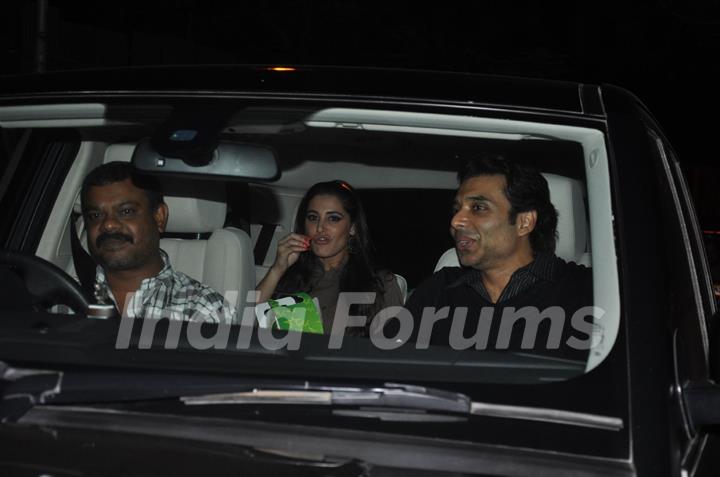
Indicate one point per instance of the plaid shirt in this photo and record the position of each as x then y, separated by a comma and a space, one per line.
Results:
173, 295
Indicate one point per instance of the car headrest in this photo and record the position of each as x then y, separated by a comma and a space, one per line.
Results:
190, 215
567, 195
448, 259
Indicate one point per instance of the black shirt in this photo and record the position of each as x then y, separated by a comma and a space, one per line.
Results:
545, 267
544, 285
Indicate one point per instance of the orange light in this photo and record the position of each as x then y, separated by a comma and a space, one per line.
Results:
281, 68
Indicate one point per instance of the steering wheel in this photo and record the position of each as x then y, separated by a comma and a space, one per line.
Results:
46, 283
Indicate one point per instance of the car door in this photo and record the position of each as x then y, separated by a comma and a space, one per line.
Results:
666, 291
692, 337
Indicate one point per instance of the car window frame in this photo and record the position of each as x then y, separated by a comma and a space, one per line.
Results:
692, 238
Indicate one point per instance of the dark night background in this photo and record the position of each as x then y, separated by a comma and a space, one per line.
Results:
666, 52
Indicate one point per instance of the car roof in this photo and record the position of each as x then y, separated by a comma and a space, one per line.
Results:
414, 85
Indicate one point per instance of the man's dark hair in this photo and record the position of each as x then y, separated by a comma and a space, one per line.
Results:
119, 171
526, 189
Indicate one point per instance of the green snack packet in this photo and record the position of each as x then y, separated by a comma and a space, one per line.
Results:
302, 315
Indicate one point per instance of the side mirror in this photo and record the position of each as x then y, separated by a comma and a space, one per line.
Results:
702, 403
702, 400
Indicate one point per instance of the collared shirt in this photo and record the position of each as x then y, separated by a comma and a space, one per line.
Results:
543, 268
547, 282
172, 294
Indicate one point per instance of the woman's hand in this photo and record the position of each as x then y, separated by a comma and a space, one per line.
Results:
289, 250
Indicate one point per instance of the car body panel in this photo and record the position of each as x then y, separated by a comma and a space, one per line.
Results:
640, 381
298, 81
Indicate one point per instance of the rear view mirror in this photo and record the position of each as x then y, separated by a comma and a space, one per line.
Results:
228, 160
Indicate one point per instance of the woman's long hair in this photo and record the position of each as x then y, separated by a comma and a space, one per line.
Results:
360, 273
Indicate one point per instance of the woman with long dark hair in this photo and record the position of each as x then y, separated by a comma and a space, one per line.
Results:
329, 253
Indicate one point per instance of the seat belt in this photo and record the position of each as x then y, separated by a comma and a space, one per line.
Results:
263, 243
85, 266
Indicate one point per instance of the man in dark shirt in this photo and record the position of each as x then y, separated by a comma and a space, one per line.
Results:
511, 291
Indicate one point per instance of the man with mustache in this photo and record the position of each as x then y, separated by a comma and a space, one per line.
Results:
504, 228
124, 215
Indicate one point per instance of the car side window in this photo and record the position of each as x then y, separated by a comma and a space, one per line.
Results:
12, 144
686, 282
692, 241
34, 166
686, 306
697, 243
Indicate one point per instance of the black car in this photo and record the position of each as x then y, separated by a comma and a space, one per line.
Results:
87, 394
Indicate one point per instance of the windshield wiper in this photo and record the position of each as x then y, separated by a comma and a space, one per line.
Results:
390, 395
23, 389
384, 402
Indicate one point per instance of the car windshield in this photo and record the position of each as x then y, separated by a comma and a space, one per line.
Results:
227, 233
